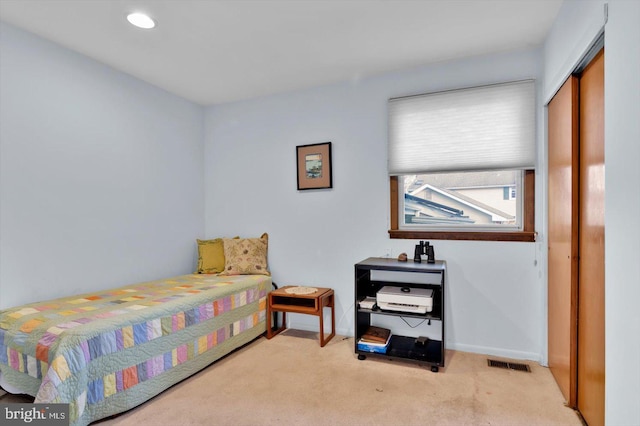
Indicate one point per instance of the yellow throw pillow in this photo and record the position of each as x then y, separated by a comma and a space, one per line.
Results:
210, 256
246, 256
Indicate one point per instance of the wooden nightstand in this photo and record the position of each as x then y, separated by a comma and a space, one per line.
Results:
312, 303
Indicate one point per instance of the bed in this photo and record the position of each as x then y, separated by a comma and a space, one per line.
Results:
106, 352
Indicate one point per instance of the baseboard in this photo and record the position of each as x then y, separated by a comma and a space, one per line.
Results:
499, 352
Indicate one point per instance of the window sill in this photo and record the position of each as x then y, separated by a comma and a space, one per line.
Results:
525, 236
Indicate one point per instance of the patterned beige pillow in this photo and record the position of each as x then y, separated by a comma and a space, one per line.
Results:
246, 256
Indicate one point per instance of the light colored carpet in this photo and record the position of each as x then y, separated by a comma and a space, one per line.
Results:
291, 380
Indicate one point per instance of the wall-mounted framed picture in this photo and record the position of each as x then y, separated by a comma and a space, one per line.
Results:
314, 166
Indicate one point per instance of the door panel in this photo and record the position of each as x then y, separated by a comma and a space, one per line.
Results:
562, 242
591, 338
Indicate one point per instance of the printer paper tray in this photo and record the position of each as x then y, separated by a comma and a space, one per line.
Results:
399, 307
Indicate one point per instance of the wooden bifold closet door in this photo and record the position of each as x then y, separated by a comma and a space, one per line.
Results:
591, 249
576, 240
563, 206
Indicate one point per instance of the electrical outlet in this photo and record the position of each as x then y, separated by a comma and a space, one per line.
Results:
387, 252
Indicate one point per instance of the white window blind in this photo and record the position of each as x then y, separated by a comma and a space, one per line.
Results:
481, 128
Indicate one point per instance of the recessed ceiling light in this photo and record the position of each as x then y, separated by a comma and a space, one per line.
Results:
141, 20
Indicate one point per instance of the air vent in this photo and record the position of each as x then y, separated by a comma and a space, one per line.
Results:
508, 365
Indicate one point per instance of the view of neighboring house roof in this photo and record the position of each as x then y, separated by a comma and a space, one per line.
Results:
473, 203
433, 205
427, 211
468, 180
431, 212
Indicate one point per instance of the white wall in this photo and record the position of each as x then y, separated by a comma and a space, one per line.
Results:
494, 298
577, 26
569, 38
622, 202
101, 175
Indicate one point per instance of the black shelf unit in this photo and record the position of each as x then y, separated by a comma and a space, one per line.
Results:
401, 347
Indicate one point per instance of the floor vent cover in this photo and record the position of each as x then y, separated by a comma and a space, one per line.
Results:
509, 365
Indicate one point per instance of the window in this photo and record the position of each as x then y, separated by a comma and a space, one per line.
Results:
473, 200
461, 164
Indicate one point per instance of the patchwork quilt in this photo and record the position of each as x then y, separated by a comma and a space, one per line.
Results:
106, 352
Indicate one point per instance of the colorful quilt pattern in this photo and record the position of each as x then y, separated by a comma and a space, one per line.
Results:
99, 352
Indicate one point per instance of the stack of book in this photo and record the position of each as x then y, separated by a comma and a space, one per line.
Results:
375, 339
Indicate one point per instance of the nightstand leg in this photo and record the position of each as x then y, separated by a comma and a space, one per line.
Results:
273, 330
329, 302
322, 341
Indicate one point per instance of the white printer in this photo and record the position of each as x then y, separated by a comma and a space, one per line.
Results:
405, 299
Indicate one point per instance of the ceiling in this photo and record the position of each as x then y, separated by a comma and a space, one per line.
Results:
213, 51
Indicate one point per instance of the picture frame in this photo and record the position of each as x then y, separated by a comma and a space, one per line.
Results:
314, 166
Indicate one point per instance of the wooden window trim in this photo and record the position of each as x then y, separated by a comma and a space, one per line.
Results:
528, 233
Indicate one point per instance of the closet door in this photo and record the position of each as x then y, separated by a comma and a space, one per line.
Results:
576, 241
591, 337
562, 238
